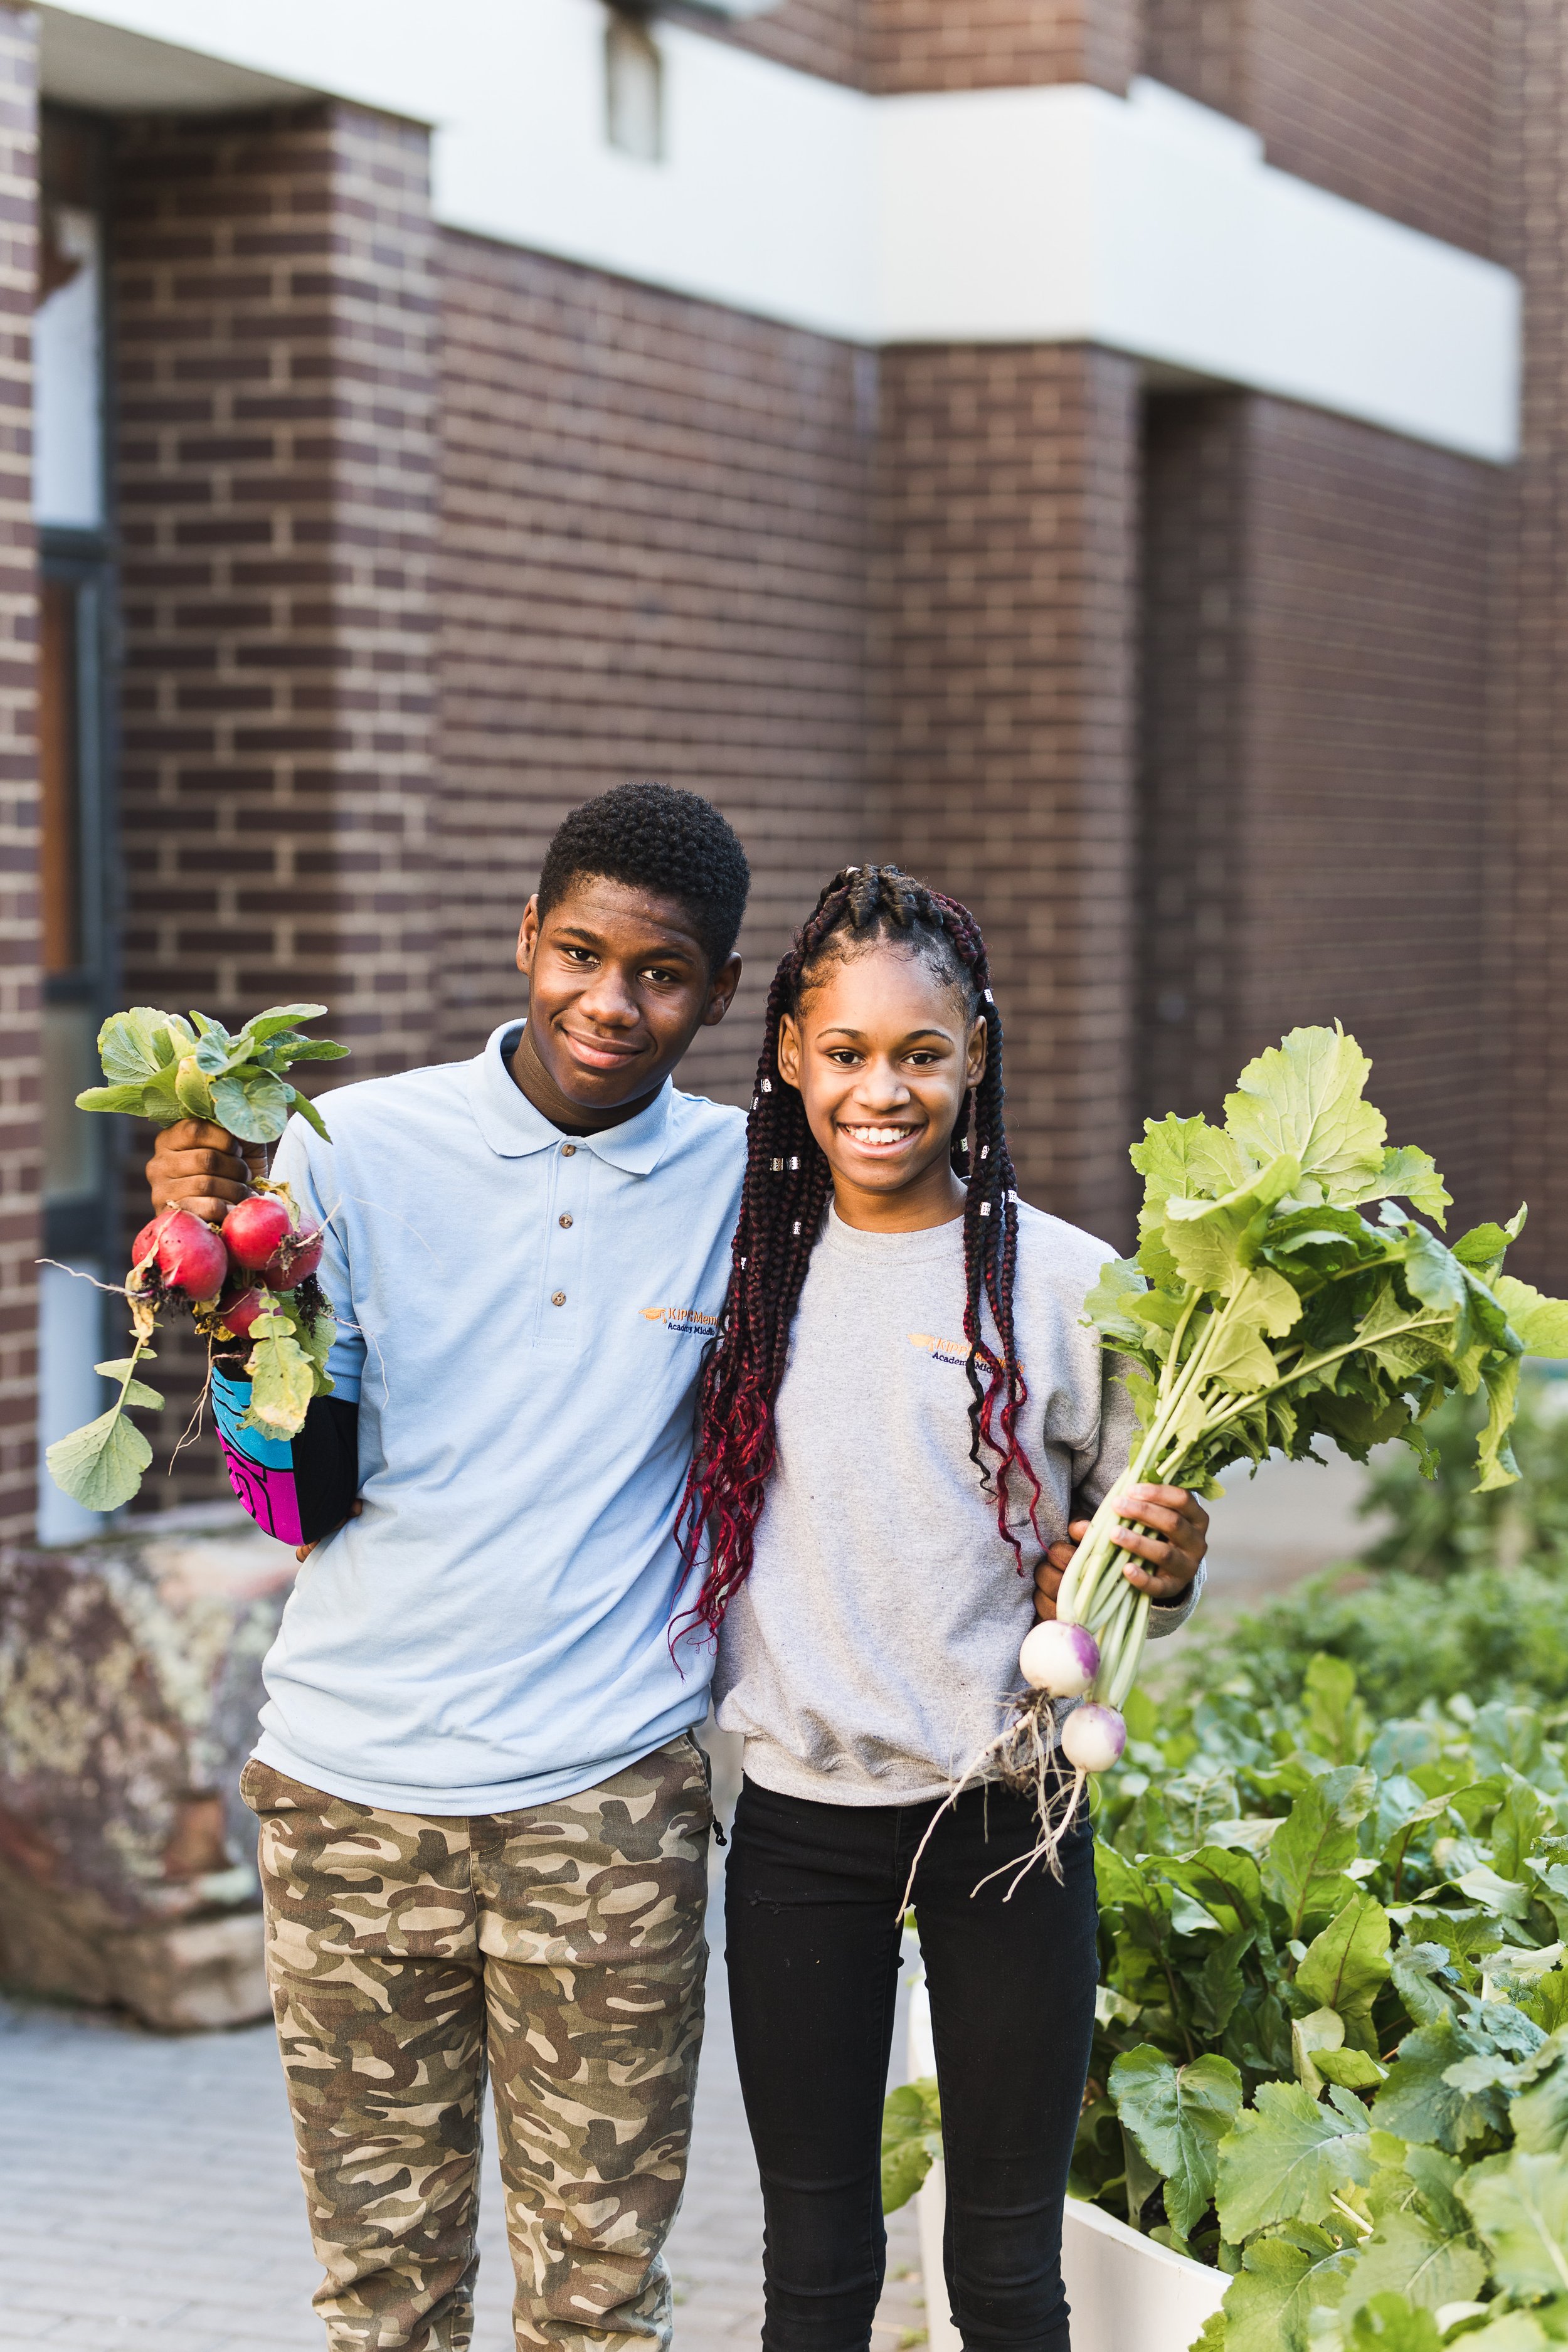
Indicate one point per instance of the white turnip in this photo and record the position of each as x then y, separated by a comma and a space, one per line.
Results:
1093, 1738
1061, 1660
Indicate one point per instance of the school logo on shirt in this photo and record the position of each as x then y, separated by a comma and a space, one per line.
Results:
941, 1351
690, 1319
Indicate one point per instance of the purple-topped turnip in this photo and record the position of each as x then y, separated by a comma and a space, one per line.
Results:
1060, 1660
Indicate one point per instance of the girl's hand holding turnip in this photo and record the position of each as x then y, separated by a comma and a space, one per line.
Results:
1170, 1530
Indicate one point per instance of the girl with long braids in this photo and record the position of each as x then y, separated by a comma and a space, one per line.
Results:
903, 1425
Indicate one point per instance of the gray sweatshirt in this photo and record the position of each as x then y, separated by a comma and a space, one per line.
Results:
871, 1653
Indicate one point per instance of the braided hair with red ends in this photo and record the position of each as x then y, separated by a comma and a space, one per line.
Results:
783, 1202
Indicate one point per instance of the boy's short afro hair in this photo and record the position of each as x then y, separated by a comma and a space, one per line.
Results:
655, 838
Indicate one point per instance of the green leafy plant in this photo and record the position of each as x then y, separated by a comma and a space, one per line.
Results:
1437, 1525
1331, 2053
162, 1068
912, 2139
1264, 1312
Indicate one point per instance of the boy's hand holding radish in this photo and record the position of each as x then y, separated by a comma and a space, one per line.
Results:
203, 1169
224, 1245
1172, 1534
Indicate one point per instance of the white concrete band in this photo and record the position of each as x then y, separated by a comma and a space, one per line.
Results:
1145, 224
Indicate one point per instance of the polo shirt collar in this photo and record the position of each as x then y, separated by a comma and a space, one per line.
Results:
514, 1130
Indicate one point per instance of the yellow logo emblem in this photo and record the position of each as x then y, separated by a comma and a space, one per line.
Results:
680, 1318
941, 1351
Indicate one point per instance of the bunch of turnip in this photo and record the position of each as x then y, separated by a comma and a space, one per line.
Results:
1281, 1298
249, 1283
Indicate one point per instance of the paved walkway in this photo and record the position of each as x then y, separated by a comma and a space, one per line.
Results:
148, 2199
148, 2195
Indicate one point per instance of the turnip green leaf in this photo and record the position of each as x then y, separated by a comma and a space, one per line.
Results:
1285, 2160
1178, 2116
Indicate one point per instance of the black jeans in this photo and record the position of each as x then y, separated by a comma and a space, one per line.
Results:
811, 1902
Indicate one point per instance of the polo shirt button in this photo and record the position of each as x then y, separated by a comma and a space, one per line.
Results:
559, 1300
566, 1219
568, 1150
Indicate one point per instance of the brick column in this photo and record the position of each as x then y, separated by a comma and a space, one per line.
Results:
1531, 681
276, 448
1313, 765
21, 1154
1003, 638
274, 309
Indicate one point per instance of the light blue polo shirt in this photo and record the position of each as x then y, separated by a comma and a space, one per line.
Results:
523, 1315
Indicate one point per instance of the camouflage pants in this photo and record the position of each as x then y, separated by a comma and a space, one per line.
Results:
564, 1945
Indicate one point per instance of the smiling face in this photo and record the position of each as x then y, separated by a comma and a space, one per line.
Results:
883, 1050
619, 984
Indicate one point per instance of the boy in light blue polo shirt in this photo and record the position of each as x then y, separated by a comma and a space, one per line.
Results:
483, 1814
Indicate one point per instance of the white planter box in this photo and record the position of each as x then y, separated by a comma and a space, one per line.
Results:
1127, 2293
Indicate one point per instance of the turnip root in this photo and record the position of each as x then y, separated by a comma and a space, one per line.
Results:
1060, 1660
1092, 1738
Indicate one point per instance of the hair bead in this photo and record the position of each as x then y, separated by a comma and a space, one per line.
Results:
795, 1163
767, 1087
778, 1167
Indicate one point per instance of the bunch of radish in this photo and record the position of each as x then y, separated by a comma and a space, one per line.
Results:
227, 1273
248, 1283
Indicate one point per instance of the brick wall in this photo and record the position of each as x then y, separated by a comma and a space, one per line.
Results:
653, 562
1200, 48
20, 1138
1529, 938
273, 315
1192, 750
1002, 666
1314, 762
922, 44
830, 37
273, 303
1391, 104
1001, 44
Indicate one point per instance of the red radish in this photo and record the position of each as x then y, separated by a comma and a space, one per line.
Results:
146, 1245
299, 1256
255, 1230
1093, 1738
1060, 1659
190, 1257
241, 1312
